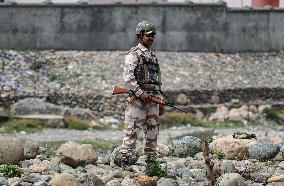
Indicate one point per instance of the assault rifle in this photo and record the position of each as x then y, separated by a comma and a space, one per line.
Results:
154, 99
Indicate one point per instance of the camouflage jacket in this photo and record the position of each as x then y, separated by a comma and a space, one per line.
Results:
141, 70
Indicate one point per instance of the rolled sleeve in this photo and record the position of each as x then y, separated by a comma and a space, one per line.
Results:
128, 74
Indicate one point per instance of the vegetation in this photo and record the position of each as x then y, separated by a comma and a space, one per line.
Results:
52, 77
218, 154
9, 170
154, 168
270, 113
76, 123
27, 125
188, 118
36, 66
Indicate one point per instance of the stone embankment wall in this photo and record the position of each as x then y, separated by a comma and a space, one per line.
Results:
180, 27
85, 79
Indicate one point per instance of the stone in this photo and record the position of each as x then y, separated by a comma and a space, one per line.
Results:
146, 181
279, 178
239, 114
231, 179
117, 157
188, 146
129, 182
227, 166
74, 154
182, 99
220, 114
64, 179
114, 182
232, 148
277, 140
40, 183
3, 181
40, 167
15, 150
167, 182
263, 151
162, 150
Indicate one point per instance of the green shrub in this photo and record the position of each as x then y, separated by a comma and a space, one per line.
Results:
218, 154
270, 114
76, 123
11, 171
154, 168
28, 125
36, 66
52, 77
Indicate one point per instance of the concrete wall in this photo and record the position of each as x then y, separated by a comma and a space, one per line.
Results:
181, 27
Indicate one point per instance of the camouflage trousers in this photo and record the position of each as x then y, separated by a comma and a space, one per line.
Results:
137, 116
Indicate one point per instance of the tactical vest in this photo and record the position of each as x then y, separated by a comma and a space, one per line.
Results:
147, 71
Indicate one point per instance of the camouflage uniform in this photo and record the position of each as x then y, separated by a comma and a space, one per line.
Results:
141, 73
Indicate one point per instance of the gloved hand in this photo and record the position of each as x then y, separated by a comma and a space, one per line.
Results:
145, 97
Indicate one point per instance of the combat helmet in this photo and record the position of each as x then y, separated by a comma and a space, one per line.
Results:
146, 27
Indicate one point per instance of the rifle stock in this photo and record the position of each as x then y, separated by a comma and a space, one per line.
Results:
120, 90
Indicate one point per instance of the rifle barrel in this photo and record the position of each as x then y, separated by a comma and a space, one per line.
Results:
170, 105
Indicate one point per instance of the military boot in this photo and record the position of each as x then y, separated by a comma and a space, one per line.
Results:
125, 164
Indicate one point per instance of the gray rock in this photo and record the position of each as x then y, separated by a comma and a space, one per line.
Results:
54, 165
282, 150
281, 165
263, 151
31, 106
227, 166
167, 182
188, 146
231, 179
117, 157
45, 178
3, 181
74, 154
40, 183
15, 150
198, 175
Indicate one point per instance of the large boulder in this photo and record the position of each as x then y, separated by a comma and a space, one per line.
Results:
221, 114
37, 106
14, 150
231, 179
232, 148
64, 179
188, 146
74, 154
31, 106
263, 151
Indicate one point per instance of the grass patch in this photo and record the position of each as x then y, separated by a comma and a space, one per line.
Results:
154, 168
76, 123
188, 118
36, 66
52, 77
27, 125
98, 144
11, 171
271, 114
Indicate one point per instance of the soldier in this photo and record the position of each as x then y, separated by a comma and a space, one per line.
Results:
142, 76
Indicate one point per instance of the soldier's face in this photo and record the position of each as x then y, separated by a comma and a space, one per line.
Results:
148, 39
